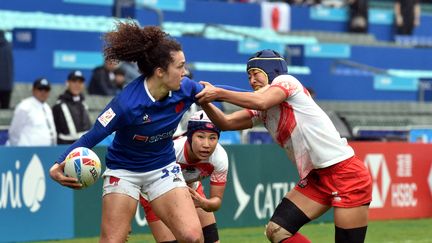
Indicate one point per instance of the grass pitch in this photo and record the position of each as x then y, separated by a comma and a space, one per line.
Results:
397, 231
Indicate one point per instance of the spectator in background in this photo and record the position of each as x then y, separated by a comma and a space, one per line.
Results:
119, 80
33, 123
6, 71
358, 12
102, 80
131, 71
407, 16
123, 9
71, 115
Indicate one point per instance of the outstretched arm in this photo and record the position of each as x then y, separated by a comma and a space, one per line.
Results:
109, 121
251, 100
238, 120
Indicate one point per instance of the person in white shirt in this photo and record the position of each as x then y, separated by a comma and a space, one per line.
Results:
200, 156
330, 174
33, 123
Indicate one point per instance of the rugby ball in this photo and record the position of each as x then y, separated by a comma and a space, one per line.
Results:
83, 164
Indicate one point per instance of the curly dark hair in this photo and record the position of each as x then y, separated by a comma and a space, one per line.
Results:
149, 46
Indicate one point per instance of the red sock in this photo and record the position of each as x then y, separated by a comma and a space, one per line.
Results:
296, 238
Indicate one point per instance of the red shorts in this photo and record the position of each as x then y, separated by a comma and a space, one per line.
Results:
151, 216
346, 184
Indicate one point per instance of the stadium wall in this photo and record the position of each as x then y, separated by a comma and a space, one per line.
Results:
33, 207
302, 17
46, 57
38, 58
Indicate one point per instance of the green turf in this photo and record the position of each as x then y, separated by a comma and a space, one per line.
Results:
397, 231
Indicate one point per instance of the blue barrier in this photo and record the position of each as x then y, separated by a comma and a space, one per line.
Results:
328, 14
4, 136
57, 6
47, 42
77, 59
24, 38
217, 13
166, 5
32, 206
384, 82
328, 50
45, 45
393, 57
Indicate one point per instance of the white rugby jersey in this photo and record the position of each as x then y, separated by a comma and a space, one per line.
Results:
302, 128
216, 167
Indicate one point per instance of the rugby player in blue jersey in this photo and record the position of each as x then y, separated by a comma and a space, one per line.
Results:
200, 155
145, 115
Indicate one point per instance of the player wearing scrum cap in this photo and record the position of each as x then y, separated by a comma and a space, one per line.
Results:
330, 174
199, 155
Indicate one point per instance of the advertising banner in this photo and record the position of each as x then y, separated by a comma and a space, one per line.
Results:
32, 206
402, 178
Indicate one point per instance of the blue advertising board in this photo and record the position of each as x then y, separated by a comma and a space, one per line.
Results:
32, 205
77, 59
420, 135
385, 82
24, 38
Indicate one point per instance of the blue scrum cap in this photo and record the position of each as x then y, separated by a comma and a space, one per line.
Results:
269, 62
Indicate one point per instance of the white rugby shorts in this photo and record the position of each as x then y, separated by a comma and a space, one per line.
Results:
150, 184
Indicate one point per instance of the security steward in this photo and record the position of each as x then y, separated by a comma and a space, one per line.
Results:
70, 113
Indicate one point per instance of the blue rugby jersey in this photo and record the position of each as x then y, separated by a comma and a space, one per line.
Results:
144, 128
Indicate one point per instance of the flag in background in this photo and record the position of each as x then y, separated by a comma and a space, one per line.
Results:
276, 16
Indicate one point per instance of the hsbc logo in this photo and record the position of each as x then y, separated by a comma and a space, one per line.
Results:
380, 179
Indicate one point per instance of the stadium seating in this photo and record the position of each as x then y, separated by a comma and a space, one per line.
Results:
381, 120
319, 50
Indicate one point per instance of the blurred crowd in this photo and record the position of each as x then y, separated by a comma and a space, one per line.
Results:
407, 12
36, 123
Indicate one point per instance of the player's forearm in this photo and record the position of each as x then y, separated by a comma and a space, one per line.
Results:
212, 204
248, 100
216, 116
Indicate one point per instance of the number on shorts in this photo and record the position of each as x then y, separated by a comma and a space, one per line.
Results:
174, 170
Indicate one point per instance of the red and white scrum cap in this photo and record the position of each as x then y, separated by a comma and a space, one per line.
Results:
199, 121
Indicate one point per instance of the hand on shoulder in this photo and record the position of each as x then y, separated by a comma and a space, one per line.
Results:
208, 94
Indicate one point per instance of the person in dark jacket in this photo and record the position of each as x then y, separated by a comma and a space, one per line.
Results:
102, 81
6, 72
407, 16
71, 116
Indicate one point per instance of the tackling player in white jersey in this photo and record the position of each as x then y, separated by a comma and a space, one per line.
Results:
199, 155
330, 174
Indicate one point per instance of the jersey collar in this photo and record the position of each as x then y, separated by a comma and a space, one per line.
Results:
148, 91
